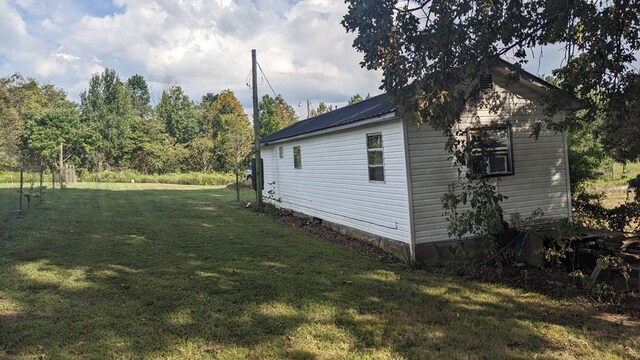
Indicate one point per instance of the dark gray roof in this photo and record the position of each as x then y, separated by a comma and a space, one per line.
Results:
365, 109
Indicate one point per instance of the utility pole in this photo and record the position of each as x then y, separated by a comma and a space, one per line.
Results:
256, 129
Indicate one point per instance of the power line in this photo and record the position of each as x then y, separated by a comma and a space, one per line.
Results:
248, 79
265, 77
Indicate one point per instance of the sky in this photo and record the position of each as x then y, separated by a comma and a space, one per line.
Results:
202, 45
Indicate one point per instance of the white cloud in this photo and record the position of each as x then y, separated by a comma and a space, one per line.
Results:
65, 56
204, 45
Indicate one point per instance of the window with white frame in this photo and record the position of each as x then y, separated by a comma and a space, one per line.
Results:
281, 152
297, 158
375, 157
491, 150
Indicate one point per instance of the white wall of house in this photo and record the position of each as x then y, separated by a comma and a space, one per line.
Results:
540, 179
333, 182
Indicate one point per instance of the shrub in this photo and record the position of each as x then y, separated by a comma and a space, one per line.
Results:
9, 177
190, 178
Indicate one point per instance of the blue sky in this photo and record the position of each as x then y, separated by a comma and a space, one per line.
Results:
201, 45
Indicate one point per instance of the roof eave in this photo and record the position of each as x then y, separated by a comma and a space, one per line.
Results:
535, 83
374, 120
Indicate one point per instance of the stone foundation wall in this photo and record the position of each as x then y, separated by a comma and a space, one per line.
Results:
398, 249
430, 254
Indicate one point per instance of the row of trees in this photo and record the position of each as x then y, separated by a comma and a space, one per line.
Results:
115, 126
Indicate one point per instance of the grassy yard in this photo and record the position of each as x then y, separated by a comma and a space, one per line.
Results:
125, 271
614, 184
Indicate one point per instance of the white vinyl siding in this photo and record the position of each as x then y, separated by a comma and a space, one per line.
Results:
334, 182
539, 177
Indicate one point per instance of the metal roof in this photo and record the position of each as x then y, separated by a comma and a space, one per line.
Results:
365, 109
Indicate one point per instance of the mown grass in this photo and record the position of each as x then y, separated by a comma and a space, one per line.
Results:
9, 202
161, 271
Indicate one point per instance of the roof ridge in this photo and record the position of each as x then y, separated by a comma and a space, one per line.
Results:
360, 111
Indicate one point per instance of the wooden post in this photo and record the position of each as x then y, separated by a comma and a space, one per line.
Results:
21, 180
594, 276
61, 166
237, 187
256, 129
41, 180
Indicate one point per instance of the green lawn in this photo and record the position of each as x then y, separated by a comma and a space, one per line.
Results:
179, 272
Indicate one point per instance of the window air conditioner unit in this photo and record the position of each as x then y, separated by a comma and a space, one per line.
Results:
499, 164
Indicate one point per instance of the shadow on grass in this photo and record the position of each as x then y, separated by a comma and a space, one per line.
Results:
187, 274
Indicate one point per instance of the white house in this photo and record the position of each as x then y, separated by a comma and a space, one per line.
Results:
366, 171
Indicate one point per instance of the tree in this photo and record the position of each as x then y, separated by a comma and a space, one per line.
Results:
235, 145
275, 114
208, 99
46, 129
25, 94
432, 53
221, 104
321, 109
10, 125
354, 99
140, 95
202, 153
178, 114
204, 112
21, 97
619, 132
153, 150
224, 103
107, 110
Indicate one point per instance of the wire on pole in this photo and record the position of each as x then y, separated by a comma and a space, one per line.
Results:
268, 83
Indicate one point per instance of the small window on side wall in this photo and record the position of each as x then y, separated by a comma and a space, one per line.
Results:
297, 158
375, 157
281, 152
491, 150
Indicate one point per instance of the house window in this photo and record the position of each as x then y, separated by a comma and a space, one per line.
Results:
491, 150
375, 157
281, 152
297, 158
